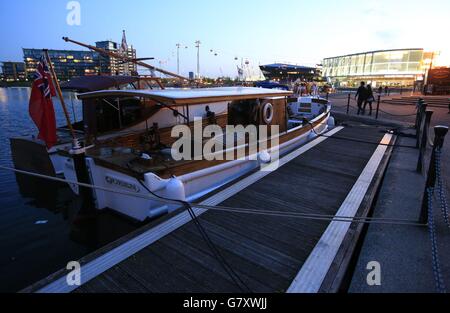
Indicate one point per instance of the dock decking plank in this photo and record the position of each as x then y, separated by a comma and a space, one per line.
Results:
266, 251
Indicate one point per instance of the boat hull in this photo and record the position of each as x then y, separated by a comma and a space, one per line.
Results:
195, 184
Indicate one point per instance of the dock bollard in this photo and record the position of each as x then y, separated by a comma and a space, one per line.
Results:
348, 103
378, 107
420, 119
439, 132
424, 140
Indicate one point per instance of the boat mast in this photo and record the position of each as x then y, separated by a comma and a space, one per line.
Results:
125, 58
61, 98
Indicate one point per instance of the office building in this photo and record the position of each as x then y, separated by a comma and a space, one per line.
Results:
72, 63
399, 67
67, 63
113, 66
13, 71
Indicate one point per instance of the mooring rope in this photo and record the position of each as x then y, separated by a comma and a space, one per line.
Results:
216, 252
360, 141
399, 115
323, 217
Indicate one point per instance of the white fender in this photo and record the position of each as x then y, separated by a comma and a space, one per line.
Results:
331, 122
312, 135
175, 189
264, 157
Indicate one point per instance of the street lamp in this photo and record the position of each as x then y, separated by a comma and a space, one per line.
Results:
179, 45
197, 45
178, 58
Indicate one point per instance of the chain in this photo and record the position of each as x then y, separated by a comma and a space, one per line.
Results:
438, 279
440, 188
392, 114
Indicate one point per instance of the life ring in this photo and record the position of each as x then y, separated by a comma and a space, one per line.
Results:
267, 113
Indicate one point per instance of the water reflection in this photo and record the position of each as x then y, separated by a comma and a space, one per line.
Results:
42, 223
3, 96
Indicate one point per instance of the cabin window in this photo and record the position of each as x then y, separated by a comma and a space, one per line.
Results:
242, 112
115, 114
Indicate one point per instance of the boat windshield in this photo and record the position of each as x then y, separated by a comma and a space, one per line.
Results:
118, 113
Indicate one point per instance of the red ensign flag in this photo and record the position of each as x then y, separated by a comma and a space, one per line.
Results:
41, 105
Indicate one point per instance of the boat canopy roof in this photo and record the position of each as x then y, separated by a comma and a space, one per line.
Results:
192, 96
97, 82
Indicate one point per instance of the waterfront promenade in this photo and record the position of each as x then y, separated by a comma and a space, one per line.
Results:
404, 252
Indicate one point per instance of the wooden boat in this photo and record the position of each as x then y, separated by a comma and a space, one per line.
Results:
141, 158
31, 154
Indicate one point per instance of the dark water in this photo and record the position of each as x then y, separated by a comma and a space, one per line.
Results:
41, 228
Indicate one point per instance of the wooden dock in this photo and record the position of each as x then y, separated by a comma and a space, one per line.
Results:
270, 253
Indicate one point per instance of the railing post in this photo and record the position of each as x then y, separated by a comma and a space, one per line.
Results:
424, 140
421, 109
348, 103
439, 132
449, 106
378, 107
328, 95
419, 103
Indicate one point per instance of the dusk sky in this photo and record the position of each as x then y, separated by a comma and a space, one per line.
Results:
261, 31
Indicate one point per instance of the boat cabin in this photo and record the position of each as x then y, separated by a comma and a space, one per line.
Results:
112, 112
143, 156
140, 122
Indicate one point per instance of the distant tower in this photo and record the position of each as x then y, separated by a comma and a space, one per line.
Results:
124, 45
123, 50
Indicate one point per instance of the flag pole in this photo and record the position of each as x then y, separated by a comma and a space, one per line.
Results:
78, 153
60, 95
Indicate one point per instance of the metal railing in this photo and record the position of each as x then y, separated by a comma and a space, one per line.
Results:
378, 109
427, 216
439, 132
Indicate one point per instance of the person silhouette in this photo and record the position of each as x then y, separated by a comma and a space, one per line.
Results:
361, 95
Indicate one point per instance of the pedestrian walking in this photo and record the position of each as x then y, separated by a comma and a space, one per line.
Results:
361, 95
386, 91
370, 99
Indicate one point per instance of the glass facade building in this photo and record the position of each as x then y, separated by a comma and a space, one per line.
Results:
72, 63
67, 63
13, 71
400, 67
112, 66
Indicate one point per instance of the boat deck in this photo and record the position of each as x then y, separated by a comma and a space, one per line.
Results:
270, 253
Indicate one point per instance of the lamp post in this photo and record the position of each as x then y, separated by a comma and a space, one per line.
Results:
178, 58
197, 45
427, 74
